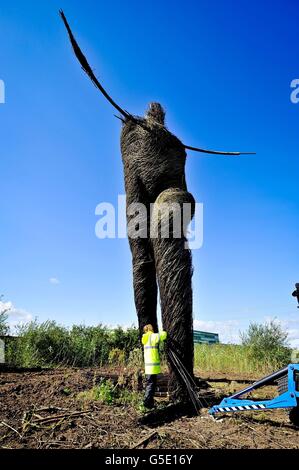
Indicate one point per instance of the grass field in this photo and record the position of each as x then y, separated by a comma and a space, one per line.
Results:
237, 359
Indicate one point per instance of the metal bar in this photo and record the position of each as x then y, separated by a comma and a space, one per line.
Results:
262, 382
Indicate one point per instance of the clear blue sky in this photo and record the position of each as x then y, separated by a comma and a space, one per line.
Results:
223, 71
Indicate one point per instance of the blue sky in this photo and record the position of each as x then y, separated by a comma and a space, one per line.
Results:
223, 72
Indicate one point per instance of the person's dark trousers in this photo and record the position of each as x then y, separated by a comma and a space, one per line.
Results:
151, 382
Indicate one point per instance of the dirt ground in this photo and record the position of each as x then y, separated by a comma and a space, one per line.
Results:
41, 410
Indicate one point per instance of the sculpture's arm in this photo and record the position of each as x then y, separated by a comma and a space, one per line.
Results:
217, 152
88, 70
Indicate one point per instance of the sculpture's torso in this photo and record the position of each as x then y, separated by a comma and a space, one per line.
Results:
153, 159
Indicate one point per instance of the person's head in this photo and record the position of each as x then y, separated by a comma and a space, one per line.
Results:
297, 285
156, 113
148, 328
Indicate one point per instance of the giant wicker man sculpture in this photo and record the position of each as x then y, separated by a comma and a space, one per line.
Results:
154, 169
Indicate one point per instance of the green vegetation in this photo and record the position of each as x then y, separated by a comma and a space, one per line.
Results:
264, 348
267, 342
232, 358
109, 394
117, 357
49, 344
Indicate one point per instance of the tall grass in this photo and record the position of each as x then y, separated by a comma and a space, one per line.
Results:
232, 358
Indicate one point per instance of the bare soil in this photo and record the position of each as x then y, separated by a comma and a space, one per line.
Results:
41, 410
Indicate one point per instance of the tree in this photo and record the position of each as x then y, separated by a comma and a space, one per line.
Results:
267, 342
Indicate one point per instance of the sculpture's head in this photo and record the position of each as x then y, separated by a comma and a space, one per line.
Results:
156, 113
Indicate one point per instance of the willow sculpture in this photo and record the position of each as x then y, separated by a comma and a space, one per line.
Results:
154, 171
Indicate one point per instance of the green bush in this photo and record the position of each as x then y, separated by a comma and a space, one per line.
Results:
105, 392
109, 394
267, 343
126, 340
135, 359
39, 345
89, 345
129, 398
50, 344
116, 357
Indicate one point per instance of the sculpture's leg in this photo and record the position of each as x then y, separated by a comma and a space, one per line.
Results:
174, 272
144, 281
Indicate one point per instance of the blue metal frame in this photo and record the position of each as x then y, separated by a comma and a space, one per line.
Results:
288, 399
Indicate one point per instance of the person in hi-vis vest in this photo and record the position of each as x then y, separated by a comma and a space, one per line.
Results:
150, 341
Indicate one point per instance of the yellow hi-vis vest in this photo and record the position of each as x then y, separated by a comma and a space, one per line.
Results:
151, 351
